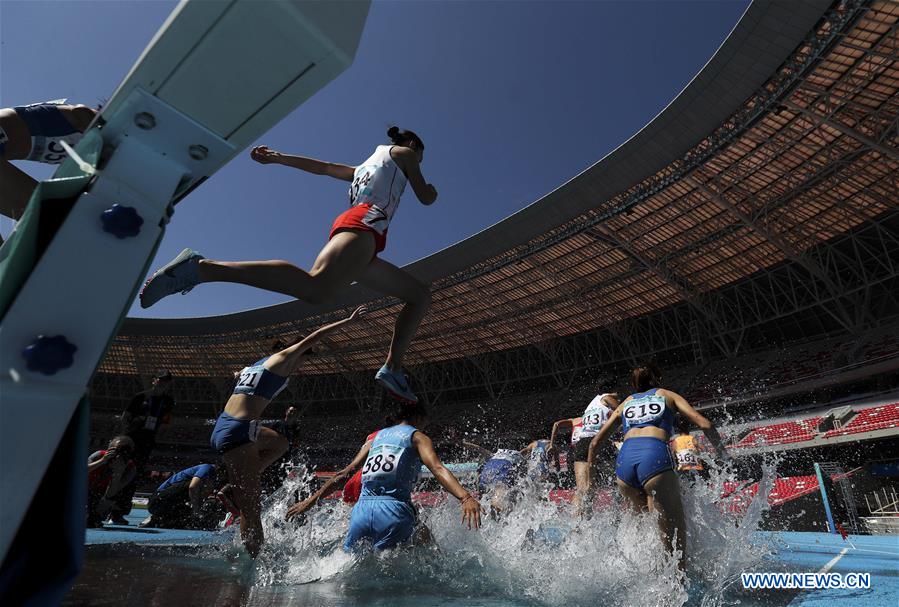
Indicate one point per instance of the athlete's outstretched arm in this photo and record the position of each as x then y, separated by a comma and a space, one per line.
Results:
471, 509
287, 360
529, 448
686, 409
264, 155
407, 159
562, 423
330, 485
483, 453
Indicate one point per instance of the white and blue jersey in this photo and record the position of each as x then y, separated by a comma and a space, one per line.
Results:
378, 183
595, 415
256, 380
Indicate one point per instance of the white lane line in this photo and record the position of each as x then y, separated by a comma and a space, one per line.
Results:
833, 561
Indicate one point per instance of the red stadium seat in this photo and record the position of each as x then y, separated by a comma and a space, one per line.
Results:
867, 420
795, 431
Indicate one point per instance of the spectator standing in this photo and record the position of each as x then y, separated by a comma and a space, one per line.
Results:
147, 413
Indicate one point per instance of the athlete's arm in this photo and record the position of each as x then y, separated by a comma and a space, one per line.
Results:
102, 460
196, 490
562, 423
529, 448
407, 160
286, 361
471, 509
611, 401
264, 155
607, 428
686, 409
331, 484
484, 454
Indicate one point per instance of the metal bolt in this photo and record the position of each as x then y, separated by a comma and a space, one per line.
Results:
145, 121
198, 152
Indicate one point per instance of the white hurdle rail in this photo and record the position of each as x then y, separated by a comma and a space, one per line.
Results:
214, 78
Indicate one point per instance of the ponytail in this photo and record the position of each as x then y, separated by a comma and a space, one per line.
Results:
399, 136
645, 377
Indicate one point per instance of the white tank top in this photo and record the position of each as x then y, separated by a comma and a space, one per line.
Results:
595, 415
378, 183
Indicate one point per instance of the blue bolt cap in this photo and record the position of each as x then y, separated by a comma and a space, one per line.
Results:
48, 355
121, 222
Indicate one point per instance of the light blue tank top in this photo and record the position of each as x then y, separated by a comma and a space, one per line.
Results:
647, 409
393, 465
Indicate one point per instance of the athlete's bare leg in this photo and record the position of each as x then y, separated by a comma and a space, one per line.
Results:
386, 278
663, 491
244, 467
636, 498
339, 263
583, 495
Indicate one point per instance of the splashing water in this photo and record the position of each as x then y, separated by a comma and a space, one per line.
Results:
538, 553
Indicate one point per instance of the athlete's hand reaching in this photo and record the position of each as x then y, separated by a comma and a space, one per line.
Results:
298, 509
264, 155
358, 313
471, 511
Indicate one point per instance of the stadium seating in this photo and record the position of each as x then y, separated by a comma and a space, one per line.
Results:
795, 431
872, 418
736, 496
790, 488
757, 371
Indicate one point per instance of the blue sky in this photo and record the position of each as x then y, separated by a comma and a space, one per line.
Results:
511, 99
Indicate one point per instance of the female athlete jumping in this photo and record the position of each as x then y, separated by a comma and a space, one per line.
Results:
356, 238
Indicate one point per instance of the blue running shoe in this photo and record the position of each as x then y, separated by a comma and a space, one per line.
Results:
396, 384
177, 276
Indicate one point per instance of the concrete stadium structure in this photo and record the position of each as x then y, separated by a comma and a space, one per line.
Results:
760, 208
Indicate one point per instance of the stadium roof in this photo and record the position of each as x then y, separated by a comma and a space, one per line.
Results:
784, 141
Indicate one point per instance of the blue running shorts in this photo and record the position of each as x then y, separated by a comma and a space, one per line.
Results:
642, 458
386, 521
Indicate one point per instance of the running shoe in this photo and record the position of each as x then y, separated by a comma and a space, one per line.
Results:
177, 276
395, 383
117, 519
